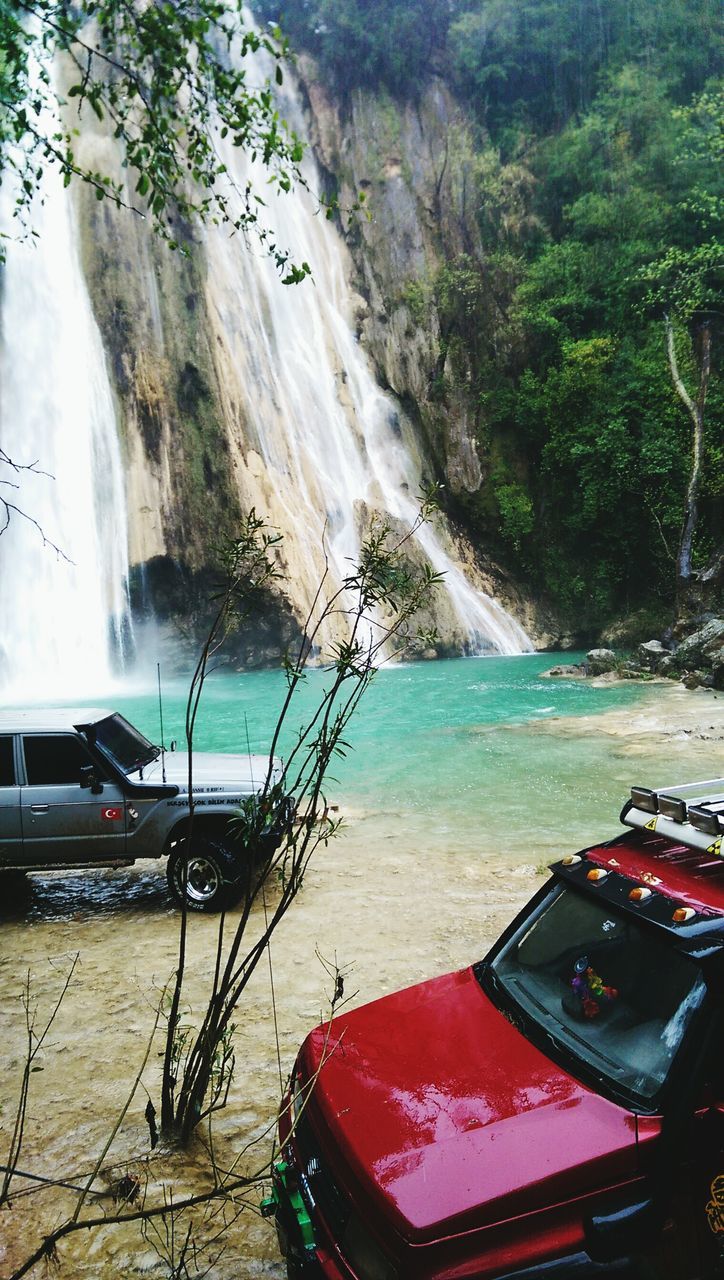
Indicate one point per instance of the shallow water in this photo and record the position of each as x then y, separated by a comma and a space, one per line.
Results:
466, 778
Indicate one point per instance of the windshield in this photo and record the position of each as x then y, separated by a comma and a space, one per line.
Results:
605, 989
128, 748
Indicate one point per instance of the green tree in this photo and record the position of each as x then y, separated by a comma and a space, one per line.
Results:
540, 62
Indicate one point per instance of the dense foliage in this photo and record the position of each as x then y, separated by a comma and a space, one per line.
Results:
366, 42
596, 159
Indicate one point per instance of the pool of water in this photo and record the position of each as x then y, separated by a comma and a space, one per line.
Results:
451, 750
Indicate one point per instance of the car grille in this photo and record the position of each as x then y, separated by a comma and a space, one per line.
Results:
318, 1184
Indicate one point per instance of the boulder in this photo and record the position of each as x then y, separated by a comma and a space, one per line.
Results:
705, 646
600, 661
651, 654
565, 669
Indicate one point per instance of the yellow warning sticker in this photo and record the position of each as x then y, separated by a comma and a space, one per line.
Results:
715, 848
651, 824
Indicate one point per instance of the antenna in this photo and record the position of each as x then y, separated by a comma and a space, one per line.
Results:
251, 763
160, 716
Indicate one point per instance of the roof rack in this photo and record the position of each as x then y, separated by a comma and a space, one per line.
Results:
691, 813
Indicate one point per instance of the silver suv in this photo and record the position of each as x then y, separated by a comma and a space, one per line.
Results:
83, 788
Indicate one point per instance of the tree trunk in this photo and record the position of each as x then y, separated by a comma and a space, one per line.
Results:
695, 410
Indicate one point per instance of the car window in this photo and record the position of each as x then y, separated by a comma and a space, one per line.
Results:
54, 759
7, 765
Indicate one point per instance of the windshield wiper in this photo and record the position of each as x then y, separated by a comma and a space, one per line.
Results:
532, 1028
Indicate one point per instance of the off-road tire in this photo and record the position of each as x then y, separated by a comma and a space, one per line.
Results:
212, 879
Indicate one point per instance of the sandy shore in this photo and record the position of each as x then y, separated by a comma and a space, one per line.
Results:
668, 715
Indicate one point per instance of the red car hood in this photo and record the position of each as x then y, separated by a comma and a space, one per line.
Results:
430, 1103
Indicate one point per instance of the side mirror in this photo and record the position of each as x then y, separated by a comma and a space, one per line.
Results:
610, 1236
89, 779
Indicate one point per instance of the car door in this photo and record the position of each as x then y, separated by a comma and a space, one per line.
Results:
63, 822
10, 828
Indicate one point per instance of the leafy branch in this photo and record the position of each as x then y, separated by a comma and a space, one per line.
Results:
377, 600
172, 82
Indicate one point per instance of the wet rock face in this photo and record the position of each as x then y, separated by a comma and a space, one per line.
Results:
698, 661
409, 162
570, 670
150, 307
175, 605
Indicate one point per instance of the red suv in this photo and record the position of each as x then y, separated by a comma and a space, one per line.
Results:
556, 1110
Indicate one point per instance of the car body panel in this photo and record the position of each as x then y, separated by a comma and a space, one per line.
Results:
10, 827
466, 1140
214, 772
64, 823
674, 870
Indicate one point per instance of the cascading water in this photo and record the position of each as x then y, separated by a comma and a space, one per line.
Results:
64, 618
321, 447
334, 447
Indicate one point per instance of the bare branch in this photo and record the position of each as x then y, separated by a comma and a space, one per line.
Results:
35, 1044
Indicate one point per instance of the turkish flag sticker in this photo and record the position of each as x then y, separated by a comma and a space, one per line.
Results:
112, 813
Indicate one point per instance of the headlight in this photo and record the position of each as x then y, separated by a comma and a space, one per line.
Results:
363, 1254
299, 1097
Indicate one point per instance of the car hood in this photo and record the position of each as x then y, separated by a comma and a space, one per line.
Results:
448, 1118
212, 771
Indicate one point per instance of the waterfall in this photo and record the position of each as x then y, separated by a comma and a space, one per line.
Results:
316, 444
332, 447
63, 619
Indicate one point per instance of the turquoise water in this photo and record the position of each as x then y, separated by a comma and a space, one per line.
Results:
444, 751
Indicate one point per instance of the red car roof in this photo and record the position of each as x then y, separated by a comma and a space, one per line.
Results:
686, 875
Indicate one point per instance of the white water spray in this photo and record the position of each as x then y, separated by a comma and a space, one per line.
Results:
64, 617
334, 446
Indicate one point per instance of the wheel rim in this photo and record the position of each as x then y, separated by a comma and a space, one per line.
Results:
202, 880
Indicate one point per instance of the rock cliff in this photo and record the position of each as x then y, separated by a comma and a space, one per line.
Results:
183, 378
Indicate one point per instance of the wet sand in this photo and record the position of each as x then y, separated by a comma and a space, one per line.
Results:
382, 903
670, 717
